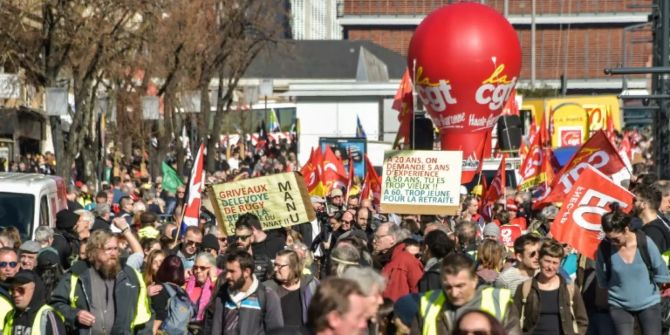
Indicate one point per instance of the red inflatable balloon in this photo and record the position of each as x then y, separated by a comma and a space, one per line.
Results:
465, 59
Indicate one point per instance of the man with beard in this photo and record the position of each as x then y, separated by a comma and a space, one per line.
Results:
32, 315
655, 225
242, 305
245, 238
402, 269
103, 297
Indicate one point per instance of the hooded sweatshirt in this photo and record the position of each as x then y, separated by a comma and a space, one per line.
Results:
23, 320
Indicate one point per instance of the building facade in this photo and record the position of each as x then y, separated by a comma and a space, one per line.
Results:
576, 39
315, 20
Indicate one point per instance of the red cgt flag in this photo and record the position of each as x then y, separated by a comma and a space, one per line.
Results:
403, 102
578, 221
598, 152
334, 174
497, 188
371, 184
312, 172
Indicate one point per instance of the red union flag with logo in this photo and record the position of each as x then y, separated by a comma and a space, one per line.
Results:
578, 221
597, 152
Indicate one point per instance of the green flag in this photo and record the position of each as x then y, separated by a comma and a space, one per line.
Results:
171, 179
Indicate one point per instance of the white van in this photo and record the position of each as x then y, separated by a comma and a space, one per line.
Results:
30, 200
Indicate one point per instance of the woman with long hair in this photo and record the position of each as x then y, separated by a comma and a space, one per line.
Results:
49, 269
490, 260
151, 266
294, 289
630, 267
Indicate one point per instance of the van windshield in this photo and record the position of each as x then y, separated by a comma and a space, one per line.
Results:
17, 210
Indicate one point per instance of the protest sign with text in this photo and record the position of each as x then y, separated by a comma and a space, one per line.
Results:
279, 200
578, 221
421, 182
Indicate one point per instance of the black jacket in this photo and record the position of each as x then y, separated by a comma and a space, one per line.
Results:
252, 321
126, 291
431, 279
658, 232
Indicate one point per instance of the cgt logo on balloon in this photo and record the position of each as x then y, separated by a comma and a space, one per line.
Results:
493, 93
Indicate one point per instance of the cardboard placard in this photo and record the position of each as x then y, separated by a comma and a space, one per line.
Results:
279, 200
421, 182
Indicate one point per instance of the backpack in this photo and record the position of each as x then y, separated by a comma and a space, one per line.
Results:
525, 290
605, 248
180, 310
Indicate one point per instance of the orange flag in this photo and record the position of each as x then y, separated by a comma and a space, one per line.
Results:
334, 174
372, 184
312, 171
403, 102
497, 188
578, 221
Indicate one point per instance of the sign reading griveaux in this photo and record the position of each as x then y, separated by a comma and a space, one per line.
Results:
279, 200
421, 182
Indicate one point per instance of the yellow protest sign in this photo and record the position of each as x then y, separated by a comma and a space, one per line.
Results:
570, 125
279, 200
421, 182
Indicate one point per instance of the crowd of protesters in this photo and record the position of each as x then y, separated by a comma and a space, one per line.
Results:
117, 262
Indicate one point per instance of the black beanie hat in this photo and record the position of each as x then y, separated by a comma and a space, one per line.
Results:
66, 219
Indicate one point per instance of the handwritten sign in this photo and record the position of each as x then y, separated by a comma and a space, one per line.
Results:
279, 200
421, 182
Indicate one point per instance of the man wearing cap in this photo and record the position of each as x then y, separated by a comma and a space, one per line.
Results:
28, 254
31, 315
104, 297
336, 202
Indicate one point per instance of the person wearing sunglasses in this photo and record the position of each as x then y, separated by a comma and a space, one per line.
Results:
201, 285
245, 238
630, 266
9, 263
526, 251
31, 315
190, 246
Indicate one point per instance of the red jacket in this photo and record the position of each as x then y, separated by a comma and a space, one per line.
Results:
403, 273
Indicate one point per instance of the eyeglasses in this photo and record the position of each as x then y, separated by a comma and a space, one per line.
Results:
200, 268
19, 290
223, 239
346, 222
279, 266
242, 237
192, 243
533, 253
109, 250
5, 264
210, 250
379, 237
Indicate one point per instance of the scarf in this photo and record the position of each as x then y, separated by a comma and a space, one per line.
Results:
205, 294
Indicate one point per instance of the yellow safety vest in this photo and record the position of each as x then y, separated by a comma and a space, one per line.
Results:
142, 307
432, 301
36, 328
6, 307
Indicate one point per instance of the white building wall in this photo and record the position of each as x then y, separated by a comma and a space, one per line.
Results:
335, 117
